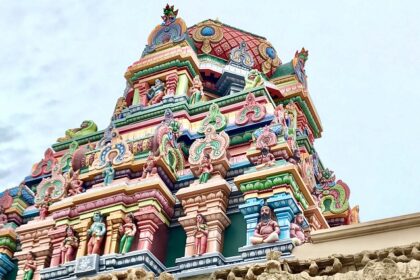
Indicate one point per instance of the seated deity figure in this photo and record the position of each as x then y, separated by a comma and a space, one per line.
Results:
96, 232
205, 169
267, 230
75, 184
296, 231
156, 92
128, 231
108, 173
149, 168
29, 267
3, 216
69, 246
196, 91
266, 159
200, 234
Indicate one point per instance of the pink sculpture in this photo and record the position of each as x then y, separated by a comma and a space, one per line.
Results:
3, 216
96, 232
75, 184
200, 234
149, 169
296, 231
69, 246
280, 116
205, 169
267, 230
43, 206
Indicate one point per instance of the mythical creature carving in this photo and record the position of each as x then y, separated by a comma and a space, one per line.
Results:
200, 234
214, 118
156, 92
299, 66
128, 231
45, 165
96, 232
55, 186
267, 230
69, 246
253, 79
29, 267
196, 91
87, 127
252, 111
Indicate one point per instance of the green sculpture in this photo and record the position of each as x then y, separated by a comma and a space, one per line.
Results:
253, 79
128, 231
205, 168
29, 267
196, 91
215, 118
108, 173
87, 127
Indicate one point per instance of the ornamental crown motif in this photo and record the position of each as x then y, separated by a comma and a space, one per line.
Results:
240, 56
215, 119
252, 111
55, 186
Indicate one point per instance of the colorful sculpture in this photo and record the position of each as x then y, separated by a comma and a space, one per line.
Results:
44, 205
119, 107
205, 169
156, 92
214, 118
252, 111
200, 234
296, 230
87, 127
96, 232
267, 230
196, 91
74, 184
46, 165
66, 159
69, 246
55, 186
108, 173
29, 267
149, 168
299, 65
266, 159
128, 231
253, 79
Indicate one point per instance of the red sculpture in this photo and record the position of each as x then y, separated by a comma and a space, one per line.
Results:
96, 232
149, 169
3, 216
296, 231
267, 230
266, 159
44, 205
75, 184
69, 246
201, 235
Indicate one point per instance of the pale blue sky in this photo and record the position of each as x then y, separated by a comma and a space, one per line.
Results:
63, 61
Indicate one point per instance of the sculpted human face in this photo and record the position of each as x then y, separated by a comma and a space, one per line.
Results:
127, 219
70, 232
97, 217
299, 219
265, 213
199, 219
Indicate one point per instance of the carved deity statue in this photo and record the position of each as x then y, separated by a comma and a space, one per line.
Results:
196, 91
267, 230
253, 79
156, 92
280, 116
296, 230
44, 205
149, 168
96, 232
69, 246
128, 231
74, 184
3, 216
205, 169
108, 173
200, 234
29, 267
266, 159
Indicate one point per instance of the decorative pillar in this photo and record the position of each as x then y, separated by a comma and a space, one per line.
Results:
57, 236
142, 88
285, 207
251, 211
7, 249
113, 222
6, 265
171, 84
81, 229
182, 86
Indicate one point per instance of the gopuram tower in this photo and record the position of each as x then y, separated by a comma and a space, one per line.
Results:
208, 161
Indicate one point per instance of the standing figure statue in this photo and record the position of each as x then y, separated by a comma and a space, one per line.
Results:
3, 216
75, 184
128, 231
156, 93
296, 231
200, 234
196, 91
108, 173
69, 246
267, 230
29, 267
266, 159
206, 168
280, 116
44, 205
96, 232
149, 168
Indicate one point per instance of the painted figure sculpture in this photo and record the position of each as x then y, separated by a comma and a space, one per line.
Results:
200, 234
196, 91
75, 184
128, 231
296, 230
3, 216
29, 267
87, 127
267, 230
44, 206
206, 168
108, 173
149, 168
69, 246
96, 232
253, 79
156, 92
266, 159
